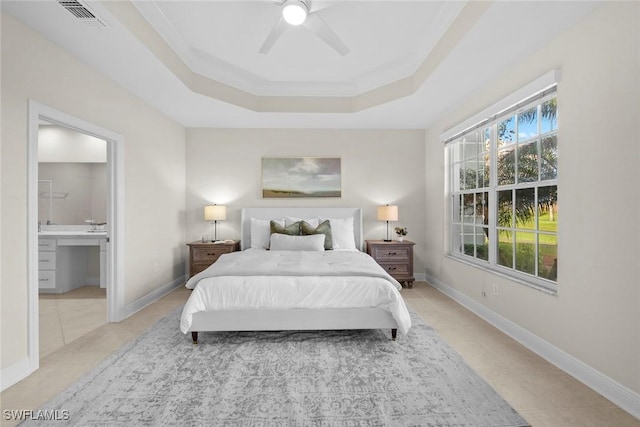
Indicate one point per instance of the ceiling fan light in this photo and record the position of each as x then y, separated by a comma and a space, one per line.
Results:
294, 12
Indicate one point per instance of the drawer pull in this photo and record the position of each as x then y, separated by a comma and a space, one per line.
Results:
392, 253
392, 268
211, 254
43, 280
43, 260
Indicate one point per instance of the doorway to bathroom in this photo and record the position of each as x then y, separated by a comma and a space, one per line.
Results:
75, 233
72, 235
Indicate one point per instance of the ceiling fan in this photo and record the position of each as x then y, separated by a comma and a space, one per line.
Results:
298, 12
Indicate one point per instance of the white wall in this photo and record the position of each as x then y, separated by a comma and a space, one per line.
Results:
596, 315
378, 167
154, 172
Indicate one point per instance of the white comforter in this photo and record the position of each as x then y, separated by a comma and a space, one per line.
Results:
258, 279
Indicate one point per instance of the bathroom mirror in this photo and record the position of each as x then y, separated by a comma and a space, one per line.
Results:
72, 177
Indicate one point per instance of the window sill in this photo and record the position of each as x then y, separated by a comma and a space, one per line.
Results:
500, 273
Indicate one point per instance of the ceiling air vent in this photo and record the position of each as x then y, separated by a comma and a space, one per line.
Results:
83, 13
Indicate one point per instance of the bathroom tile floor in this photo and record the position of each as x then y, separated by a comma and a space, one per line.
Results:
540, 392
66, 317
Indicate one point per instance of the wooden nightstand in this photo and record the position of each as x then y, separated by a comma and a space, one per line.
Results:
202, 255
395, 257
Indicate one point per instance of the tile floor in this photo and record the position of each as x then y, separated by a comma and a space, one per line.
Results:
544, 395
66, 317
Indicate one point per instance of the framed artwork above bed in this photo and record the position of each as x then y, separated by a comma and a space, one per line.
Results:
296, 177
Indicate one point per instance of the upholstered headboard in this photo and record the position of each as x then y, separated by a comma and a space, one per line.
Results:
281, 212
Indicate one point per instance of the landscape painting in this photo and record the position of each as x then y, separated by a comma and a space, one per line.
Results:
294, 177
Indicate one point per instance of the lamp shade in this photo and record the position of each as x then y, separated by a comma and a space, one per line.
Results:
387, 213
215, 213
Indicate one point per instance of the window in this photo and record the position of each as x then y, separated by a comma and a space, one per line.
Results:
504, 191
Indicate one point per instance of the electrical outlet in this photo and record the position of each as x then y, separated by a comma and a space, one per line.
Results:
496, 290
156, 267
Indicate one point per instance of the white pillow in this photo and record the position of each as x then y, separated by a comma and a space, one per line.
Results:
261, 231
314, 222
342, 233
284, 242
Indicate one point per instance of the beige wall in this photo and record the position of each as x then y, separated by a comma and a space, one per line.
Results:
596, 315
378, 167
154, 169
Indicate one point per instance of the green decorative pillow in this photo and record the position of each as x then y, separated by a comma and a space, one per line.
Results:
322, 228
291, 230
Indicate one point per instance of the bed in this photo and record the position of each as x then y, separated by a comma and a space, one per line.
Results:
260, 289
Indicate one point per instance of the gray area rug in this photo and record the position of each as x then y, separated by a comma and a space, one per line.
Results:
316, 378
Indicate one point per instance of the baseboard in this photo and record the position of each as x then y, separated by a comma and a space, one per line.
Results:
15, 373
622, 396
152, 297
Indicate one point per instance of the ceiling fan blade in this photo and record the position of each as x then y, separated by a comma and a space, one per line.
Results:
321, 29
273, 36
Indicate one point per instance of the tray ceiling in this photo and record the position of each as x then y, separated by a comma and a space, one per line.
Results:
198, 61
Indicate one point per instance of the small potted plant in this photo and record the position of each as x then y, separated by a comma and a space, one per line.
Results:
401, 232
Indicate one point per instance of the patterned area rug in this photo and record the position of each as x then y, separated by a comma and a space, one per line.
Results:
328, 378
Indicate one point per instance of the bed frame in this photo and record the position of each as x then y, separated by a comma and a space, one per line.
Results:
271, 213
294, 319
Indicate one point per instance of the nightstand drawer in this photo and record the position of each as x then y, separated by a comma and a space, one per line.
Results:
382, 253
395, 257
397, 269
197, 267
209, 254
203, 254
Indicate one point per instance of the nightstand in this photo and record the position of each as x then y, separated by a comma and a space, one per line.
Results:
202, 255
395, 257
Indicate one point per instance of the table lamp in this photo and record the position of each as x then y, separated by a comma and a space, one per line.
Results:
387, 213
215, 213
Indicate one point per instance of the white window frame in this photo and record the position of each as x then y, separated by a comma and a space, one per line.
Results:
535, 93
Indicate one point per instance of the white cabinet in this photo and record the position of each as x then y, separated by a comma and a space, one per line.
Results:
63, 261
47, 280
47, 264
46, 260
46, 244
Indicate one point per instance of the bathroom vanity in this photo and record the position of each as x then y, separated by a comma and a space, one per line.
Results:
64, 258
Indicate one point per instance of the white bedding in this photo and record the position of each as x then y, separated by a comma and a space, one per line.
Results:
258, 279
